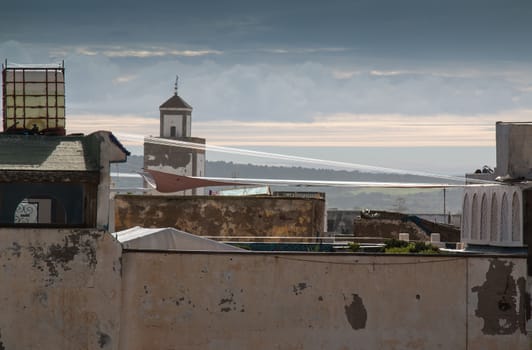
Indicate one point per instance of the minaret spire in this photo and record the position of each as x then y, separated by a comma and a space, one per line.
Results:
175, 86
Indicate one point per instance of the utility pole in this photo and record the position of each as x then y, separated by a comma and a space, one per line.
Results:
444, 208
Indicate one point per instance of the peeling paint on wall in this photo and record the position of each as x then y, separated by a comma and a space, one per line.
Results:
298, 288
164, 155
59, 256
356, 313
63, 289
15, 249
104, 340
498, 303
228, 302
362, 301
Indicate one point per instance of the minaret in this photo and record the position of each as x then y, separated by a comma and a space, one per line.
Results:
176, 159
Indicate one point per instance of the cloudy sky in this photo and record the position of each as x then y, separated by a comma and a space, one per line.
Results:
414, 83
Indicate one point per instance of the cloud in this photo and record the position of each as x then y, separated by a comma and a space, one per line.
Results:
132, 124
344, 74
339, 130
304, 50
301, 91
381, 73
124, 79
476, 30
82, 51
346, 130
147, 53
16, 52
219, 89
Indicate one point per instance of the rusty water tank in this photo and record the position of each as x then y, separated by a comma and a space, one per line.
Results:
33, 99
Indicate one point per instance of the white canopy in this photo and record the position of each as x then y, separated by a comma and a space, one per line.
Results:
167, 239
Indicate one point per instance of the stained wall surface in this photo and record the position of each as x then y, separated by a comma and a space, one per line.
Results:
76, 289
173, 159
60, 289
322, 301
223, 215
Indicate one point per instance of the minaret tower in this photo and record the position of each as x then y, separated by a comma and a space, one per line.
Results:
178, 159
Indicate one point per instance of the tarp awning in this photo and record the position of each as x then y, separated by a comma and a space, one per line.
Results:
168, 183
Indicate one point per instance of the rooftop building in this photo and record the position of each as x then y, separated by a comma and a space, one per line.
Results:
169, 153
47, 178
499, 213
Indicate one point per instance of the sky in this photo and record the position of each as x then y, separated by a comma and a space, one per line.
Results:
415, 84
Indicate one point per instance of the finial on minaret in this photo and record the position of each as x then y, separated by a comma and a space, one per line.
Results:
175, 86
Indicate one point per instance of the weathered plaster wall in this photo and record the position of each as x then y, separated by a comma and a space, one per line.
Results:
176, 159
223, 215
72, 289
60, 289
322, 301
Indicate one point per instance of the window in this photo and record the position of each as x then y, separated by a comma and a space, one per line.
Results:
39, 210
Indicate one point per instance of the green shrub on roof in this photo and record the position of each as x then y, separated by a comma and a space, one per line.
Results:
397, 246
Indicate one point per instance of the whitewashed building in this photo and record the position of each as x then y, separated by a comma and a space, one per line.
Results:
500, 214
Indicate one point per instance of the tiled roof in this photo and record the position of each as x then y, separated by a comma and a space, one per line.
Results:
175, 102
46, 153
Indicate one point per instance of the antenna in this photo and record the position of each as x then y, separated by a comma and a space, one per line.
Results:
175, 86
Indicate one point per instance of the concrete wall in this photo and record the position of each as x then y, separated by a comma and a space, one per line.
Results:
224, 215
72, 289
61, 289
322, 301
175, 159
109, 152
514, 143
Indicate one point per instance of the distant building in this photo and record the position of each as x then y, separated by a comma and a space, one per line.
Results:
501, 214
57, 181
165, 153
48, 179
